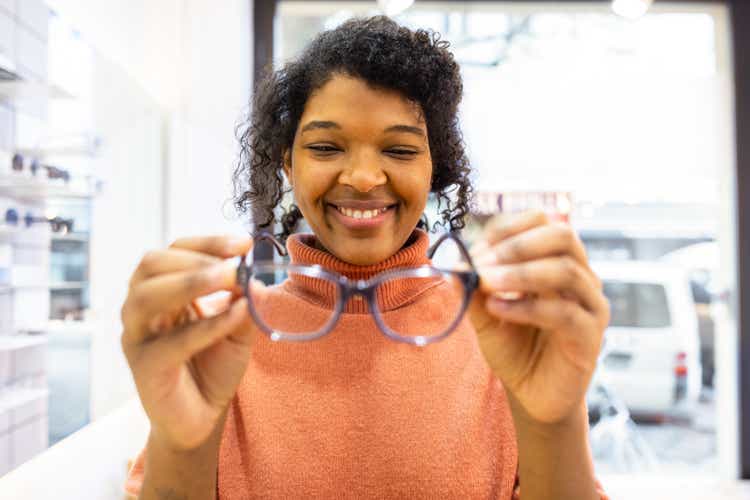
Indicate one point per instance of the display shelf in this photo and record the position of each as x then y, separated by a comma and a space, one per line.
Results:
14, 90
68, 285
12, 342
7, 232
47, 151
7, 68
75, 237
57, 327
59, 285
13, 397
32, 189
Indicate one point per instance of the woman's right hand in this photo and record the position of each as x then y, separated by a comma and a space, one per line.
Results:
187, 361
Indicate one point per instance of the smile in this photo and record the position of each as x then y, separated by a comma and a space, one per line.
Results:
361, 214
362, 218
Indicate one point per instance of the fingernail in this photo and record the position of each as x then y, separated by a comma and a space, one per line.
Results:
221, 269
507, 296
498, 303
238, 243
484, 259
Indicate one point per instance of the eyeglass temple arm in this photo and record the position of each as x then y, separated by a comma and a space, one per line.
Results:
452, 235
243, 269
266, 235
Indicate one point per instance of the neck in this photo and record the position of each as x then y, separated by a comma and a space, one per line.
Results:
316, 244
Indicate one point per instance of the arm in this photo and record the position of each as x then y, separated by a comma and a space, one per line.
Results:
182, 475
554, 460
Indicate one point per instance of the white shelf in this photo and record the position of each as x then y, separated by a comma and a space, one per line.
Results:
78, 238
34, 189
7, 65
44, 151
60, 326
7, 231
21, 89
14, 397
68, 285
60, 285
20, 341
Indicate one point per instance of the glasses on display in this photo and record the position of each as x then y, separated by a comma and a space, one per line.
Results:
19, 163
451, 273
58, 224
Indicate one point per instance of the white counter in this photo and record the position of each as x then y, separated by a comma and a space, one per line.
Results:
91, 465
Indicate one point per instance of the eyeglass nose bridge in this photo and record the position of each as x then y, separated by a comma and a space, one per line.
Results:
359, 288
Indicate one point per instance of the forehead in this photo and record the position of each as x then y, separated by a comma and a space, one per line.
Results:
347, 99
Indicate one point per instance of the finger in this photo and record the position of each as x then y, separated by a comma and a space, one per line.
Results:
213, 304
503, 226
170, 260
544, 275
549, 314
224, 246
182, 345
544, 241
173, 291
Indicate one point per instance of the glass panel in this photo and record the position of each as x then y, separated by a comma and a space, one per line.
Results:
574, 99
642, 305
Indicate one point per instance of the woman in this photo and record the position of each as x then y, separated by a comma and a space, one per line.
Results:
364, 126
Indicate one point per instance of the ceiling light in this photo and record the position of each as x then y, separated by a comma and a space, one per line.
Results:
631, 9
394, 7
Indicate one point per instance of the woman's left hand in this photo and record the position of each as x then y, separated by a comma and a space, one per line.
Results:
543, 346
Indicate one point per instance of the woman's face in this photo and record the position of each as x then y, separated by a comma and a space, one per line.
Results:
360, 168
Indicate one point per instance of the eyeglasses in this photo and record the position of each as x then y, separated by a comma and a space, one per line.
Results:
448, 285
34, 165
58, 224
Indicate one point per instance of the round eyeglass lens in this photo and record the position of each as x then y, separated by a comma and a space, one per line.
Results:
279, 292
436, 292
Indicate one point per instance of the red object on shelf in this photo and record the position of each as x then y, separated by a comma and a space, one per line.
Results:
557, 204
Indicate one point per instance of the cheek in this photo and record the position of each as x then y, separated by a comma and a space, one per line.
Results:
309, 186
414, 187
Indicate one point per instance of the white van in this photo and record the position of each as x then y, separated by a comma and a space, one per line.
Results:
653, 345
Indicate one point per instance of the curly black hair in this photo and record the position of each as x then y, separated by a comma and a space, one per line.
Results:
386, 55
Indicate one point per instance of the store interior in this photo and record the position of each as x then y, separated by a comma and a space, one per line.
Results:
118, 135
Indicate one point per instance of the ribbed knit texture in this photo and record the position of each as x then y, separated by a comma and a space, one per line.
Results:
355, 415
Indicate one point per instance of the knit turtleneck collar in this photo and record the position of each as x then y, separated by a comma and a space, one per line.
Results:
302, 251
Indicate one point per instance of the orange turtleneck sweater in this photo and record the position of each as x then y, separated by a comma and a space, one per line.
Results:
356, 415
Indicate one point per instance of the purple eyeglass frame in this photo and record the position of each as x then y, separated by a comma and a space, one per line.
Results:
347, 288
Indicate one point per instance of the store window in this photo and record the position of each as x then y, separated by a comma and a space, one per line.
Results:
631, 122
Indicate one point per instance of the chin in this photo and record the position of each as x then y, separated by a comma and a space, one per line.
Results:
362, 253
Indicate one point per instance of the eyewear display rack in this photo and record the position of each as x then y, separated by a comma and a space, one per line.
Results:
28, 233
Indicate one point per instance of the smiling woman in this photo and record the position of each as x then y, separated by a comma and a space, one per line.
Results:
363, 125
402, 143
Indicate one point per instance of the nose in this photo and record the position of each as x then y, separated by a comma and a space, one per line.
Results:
363, 173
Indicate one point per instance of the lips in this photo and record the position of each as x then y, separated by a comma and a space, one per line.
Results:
362, 214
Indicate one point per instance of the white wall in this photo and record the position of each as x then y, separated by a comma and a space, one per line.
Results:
126, 218
215, 73
140, 36
193, 57
167, 103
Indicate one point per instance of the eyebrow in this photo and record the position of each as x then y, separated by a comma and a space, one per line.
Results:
321, 124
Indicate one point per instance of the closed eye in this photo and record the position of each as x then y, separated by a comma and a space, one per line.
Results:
324, 149
402, 152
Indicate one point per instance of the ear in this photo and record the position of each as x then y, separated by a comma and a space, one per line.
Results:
287, 166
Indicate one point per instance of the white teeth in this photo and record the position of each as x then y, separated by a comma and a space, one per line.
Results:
362, 214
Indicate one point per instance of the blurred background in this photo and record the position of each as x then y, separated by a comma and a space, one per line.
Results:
117, 135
